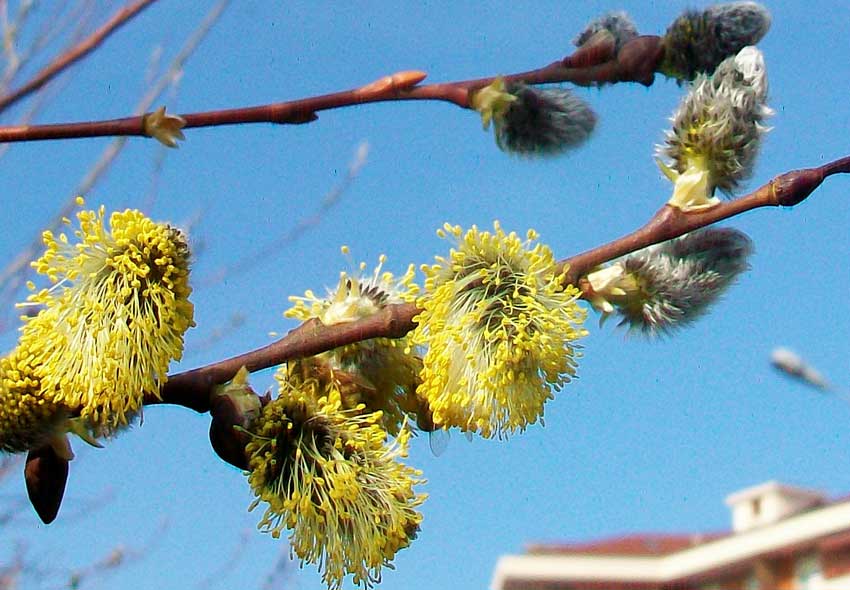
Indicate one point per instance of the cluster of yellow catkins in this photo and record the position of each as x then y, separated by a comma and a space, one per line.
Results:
495, 336
497, 333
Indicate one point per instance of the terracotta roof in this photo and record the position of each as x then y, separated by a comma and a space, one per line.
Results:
632, 545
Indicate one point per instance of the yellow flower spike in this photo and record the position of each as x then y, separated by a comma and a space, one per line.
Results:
165, 128
500, 331
331, 479
383, 373
114, 318
28, 420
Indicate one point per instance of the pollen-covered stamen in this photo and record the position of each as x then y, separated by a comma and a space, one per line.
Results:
28, 419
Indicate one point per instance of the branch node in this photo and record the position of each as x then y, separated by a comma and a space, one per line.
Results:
793, 187
638, 59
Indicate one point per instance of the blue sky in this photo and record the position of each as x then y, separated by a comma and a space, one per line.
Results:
653, 434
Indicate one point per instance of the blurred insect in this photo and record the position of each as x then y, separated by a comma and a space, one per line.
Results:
794, 366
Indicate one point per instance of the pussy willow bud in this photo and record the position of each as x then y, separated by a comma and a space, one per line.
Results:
698, 41
618, 25
717, 131
543, 121
669, 285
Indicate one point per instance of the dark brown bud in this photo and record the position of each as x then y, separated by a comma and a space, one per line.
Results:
233, 407
226, 435
45, 474
792, 188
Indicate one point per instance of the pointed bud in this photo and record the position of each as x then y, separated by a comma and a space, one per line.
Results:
46, 473
698, 41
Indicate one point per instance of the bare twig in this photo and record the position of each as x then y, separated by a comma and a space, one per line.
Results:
12, 276
217, 575
636, 62
250, 260
192, 388
52, 27
34, 107
669, 222
76, 53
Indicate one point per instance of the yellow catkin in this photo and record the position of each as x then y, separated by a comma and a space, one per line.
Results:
500, 330
329, 477
27, 419
114, 318
381, 373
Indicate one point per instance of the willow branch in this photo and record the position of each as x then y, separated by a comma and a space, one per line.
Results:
635, 62
193, 388
76, 53
786, 190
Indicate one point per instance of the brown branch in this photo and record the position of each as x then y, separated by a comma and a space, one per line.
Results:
669, 222
76, 53
635, 62
192, 388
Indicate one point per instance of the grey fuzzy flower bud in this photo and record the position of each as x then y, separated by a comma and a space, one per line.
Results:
698, 41
669, 285
717, 129
543, 121
618, 24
